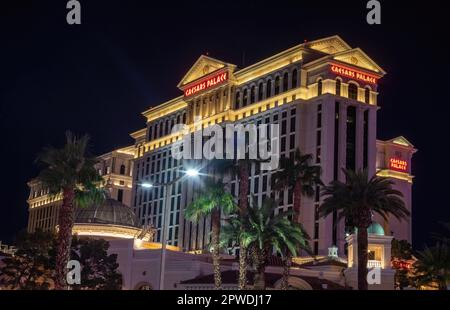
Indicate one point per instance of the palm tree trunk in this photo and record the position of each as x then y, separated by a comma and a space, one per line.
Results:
242, 268
243, 206
215, 218
286, 271
243, 186
259, 282
297, 201
65, 223
362, 258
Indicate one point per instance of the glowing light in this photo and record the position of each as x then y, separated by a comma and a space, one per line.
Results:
192, 172
206, 83
344, 71
147, 185
398, 164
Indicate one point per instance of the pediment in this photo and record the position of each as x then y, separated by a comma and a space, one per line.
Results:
401, 141
202, 67
356, 57
329, 45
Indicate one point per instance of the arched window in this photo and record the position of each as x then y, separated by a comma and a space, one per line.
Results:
252, 94
160, 129
178, 119
122, 169
260, 91
277, 85
285, 81
238, 100
184, 118
166, 127
269, 88
245, 97
367, 95
319, 87
353, 91
294, 79
338, 87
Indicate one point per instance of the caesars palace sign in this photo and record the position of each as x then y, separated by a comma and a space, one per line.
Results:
347, 72
205, 83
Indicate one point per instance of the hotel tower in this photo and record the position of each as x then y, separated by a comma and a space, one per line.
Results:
324, 96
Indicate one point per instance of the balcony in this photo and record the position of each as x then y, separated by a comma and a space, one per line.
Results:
373, 263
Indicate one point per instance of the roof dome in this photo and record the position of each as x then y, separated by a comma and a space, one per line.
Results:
375, 229
109, 212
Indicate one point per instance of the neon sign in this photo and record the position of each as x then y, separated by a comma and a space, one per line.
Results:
398, 164
344, 71
206, 83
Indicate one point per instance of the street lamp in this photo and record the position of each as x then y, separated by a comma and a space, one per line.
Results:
168, 186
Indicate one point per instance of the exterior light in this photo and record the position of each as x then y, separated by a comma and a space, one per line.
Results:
147, 185
192, 172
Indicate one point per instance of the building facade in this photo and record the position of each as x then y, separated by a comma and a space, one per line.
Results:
115, 167
323, 94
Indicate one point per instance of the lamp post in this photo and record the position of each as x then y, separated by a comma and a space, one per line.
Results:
164, 227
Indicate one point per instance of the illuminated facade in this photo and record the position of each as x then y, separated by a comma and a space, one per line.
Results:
116, 169
323, 94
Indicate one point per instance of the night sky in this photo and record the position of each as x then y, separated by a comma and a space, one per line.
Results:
126, 56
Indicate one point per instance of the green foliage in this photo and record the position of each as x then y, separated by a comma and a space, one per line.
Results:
212, 196
297, 169
99, 270
360, 196
433, 266
33, 265
262, 228
401, 249
69, 167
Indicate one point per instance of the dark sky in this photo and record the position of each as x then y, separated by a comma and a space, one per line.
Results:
98, 77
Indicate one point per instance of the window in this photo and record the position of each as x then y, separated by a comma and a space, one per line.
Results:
277, 85
285, 81
245, 98
120, 195
294, 79
319, 87
338, 87
269, 88
367, 95
353, 91
238, 100
260, 91
122, 169
252, 94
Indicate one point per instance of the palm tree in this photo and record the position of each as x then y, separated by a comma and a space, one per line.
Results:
240, 169
433, 266
213, 200
264, 229
70, 171
356, 201
298, 174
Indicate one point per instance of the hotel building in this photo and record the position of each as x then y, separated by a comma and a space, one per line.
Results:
116, 169
324, 96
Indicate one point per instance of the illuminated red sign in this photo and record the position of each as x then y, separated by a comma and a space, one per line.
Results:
358, 75
402, 264
398, 164
206, 83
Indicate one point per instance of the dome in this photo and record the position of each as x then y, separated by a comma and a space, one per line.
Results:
375, 229
109, 212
